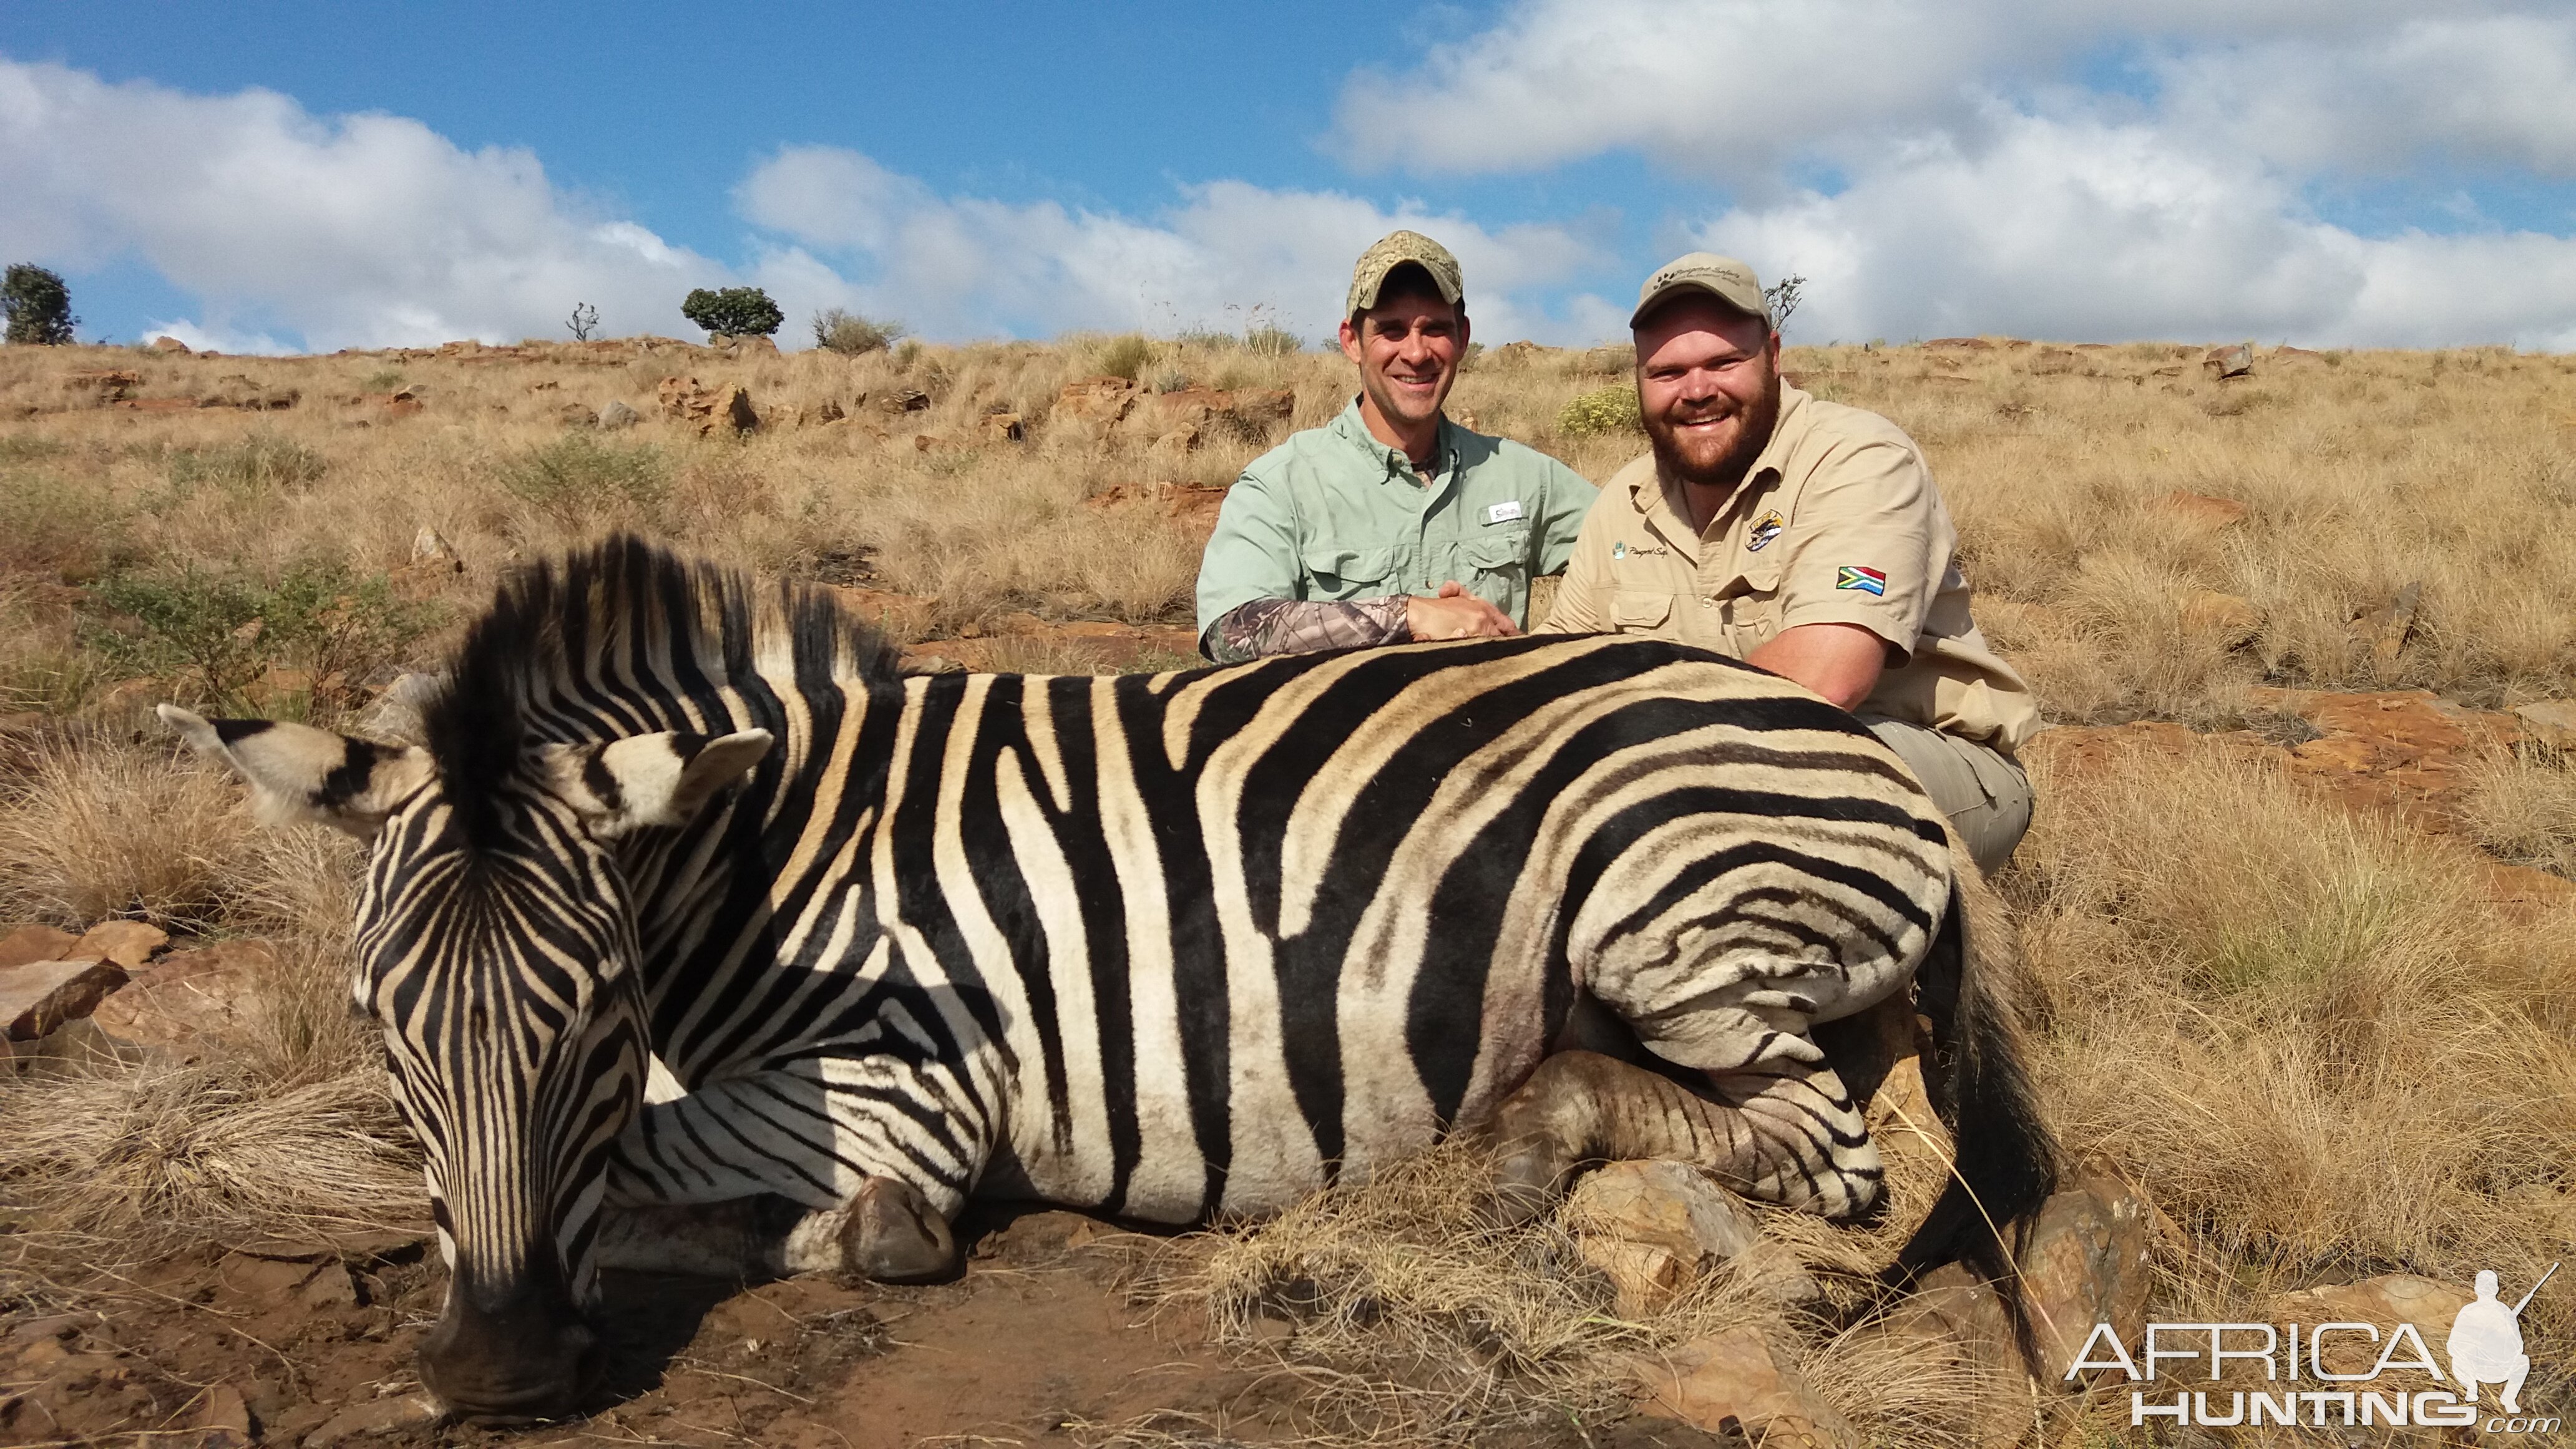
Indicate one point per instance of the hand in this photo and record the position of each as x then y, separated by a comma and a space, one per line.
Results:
1454, 613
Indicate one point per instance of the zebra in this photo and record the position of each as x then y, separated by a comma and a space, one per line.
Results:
1169, 947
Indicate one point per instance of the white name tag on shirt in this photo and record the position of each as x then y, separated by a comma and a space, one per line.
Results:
1503, 512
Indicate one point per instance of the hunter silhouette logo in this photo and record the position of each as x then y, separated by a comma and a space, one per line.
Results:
2486, 1343
2484, 1347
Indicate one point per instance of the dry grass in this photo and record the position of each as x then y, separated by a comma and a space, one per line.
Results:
2522, 806
1414, 1325
2306, 1034
111, 829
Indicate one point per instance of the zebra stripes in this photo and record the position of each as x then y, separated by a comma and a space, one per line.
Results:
1163, 946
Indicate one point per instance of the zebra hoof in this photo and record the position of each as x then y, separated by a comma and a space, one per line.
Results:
894, 1235
1525, 1187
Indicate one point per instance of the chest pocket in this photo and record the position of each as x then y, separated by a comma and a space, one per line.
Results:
1632, 613
1752, 604
1350, 573
1501, 551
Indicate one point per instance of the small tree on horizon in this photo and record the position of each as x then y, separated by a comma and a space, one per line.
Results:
733, 312
584, 318
38, 305
1783, 297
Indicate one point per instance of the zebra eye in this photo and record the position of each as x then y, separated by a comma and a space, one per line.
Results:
358, 1009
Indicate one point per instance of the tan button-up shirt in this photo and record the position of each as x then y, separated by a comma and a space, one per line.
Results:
1837, 522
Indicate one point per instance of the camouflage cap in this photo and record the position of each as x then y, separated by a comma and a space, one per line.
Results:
1393, 250
1725, 278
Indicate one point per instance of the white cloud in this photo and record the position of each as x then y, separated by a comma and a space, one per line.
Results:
2096, 232
353, 231
1981, 185
961, 267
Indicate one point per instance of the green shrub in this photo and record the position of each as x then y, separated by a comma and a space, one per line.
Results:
851, 335
218, 632
1124, 355
38, 305
1602, 410
577, 473
733, 311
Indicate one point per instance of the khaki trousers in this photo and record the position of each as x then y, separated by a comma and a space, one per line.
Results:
1985, 794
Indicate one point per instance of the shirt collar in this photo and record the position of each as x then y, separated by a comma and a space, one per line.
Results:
1392, 462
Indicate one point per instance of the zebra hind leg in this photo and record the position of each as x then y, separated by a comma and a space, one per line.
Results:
1788, 1134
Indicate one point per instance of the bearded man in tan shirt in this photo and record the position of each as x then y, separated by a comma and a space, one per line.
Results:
1804, 537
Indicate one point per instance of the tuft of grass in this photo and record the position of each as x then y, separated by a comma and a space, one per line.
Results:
260, 462
2522, 806
1126, 355
1612, 409
107, 830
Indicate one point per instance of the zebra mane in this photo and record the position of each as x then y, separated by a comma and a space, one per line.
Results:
626, 638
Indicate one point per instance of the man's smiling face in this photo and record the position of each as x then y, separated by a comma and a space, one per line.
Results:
1407, 348
1708, 385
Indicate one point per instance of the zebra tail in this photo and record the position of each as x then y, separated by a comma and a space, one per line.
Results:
1974, 988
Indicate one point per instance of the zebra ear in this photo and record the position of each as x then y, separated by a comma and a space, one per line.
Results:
298, 773
648, 780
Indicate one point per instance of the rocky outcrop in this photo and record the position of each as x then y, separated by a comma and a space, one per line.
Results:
722, 408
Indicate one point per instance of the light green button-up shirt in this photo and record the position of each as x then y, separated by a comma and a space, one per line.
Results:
1333, 513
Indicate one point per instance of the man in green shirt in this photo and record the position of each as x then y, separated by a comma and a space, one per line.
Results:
1390, 523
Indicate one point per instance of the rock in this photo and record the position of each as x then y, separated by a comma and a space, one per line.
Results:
330, 1288
170, 345
186, 997
2084, 1260
217, 1420
576, 415
618, 415
1515, 354
2200, 508
127, 943
1771, 1271
1735, 1382
376, 1416
1174, 446
35, 943
2550, 723
1088, 409
1955, 1326
901, 400
1003, 428
104, 386
1258, 408
2227, 362
2388, 629
430, 548
1654, 1227
42, 995
1970, 344
2232, 617
725, 407
2383, 1302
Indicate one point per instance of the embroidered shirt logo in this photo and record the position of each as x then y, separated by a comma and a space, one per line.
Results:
1868, 581
1618, 550
1765, 529
1503, 512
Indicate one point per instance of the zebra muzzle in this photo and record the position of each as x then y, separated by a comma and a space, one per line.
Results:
516, 1354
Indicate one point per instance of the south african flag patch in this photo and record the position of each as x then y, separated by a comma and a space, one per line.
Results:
1868, 581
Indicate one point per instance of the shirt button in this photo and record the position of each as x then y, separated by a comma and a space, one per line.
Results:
1708, 603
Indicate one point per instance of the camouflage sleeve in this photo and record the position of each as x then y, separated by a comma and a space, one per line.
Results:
1299, 626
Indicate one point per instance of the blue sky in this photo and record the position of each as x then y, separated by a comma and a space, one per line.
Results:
292, 176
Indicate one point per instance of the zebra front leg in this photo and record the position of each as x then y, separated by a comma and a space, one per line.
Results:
1784, 1133
863, 1170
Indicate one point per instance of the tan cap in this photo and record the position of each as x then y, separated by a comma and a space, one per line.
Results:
1394, 250
1724, 278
